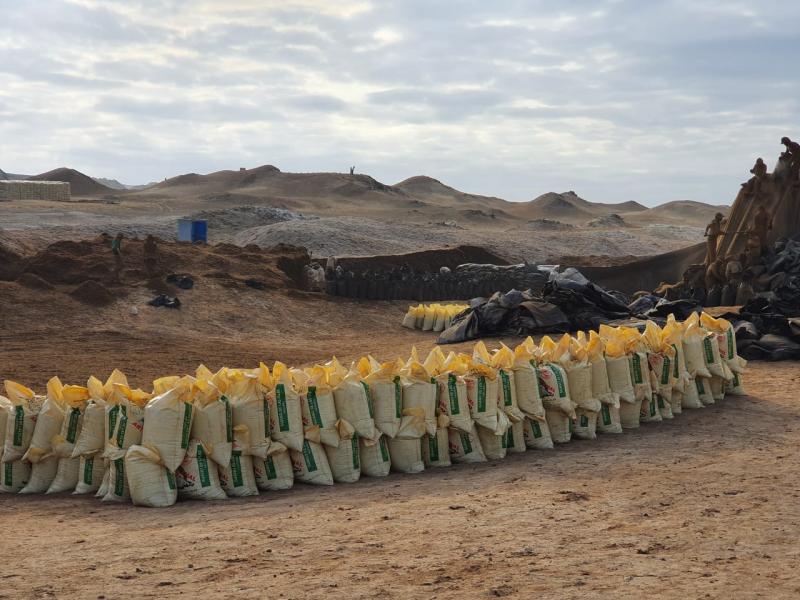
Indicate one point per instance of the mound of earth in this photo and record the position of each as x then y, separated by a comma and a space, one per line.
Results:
34, 282
425, 260
79, 184
612, 220
685, 212
244, 217
92, 293
549, 225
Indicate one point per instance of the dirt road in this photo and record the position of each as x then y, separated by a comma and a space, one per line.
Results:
705, 506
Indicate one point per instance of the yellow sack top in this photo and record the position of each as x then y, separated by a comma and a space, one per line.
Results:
434, 363
414, 371
503, 358
595, 347
164, 384
123, 393
672, 332
524, 353
242, 383
479, 369
55, 391
264, 376
317, 377
716, 325
282, 375
74, 396
204, 392
97, 390
299, 380
18, 394
455, 365
481, 354
379, 372
577, 348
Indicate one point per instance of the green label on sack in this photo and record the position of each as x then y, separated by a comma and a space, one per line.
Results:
506, 382
466, 444
735, 380
228, 418
384, 449
72, 425
452, 392
571, 426
8, 472
354, 451
504, 439
187, 425
369, 399
665, 371
652, 407
660, 401
19, 426
123, 425
308, 457
433, 447
605, 412
267, 426
537, 430
269, 467
283, 411
88, 470
313, 406
398, 398
119, 478
482, 394
112, 420
675, 366
709, 351
202, 467
636, 369
508, 437
562, 388
584, 421
170, 479
236, 469
701, 389
730, 343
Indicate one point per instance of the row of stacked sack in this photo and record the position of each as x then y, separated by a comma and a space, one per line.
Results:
237, 431
432, 317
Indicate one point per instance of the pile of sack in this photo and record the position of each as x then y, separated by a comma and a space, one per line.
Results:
432, 317
239, 432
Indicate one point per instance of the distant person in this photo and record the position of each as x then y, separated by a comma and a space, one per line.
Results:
352, 170
713, 232
116, 250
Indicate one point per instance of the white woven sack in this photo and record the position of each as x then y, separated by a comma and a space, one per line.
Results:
250, 406
237, 477
515, 437
117, 489
453, 401
482, 397
536, 434
168, 427
387, 404
465, 447
92, 436
198, 476
526, 382
128, 424
42, 474
375, 457
212, 426
664, 407
90, 473
354, 405
286, 417
734, 387
15, 475
345, 460
718, 388
608, 419
274, 472
311, 465
435, 449
49, 420
695, 361
66, 478
150, 482
690, 399
560, 425
493, 445
421, 395
703, 385
619, 378
507, 390
406, 455
319, 416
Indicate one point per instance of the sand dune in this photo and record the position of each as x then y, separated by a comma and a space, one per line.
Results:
80, 184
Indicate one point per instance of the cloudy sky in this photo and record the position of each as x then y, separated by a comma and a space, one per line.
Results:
615, 99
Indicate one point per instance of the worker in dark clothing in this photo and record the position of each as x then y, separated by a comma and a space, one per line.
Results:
116, 250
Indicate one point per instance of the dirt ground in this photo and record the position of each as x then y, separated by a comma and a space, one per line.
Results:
705, 506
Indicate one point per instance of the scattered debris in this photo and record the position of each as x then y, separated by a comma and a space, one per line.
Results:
165, 301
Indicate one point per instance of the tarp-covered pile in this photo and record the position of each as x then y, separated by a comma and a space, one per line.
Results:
568, 302
240, 432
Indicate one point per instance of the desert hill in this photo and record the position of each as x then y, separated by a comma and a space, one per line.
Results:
568, 206
680, 211
80, 184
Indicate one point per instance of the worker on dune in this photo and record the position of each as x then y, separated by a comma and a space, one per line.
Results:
116, 250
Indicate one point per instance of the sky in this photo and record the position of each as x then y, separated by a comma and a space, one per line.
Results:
617, 100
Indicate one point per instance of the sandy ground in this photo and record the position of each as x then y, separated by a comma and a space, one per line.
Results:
705, 506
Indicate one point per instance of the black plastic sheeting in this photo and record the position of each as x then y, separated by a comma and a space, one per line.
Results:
567, 302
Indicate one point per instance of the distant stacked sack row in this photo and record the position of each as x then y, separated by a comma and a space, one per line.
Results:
432, 317
237, 432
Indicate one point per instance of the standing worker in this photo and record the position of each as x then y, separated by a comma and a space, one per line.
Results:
713, 233
116, 250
